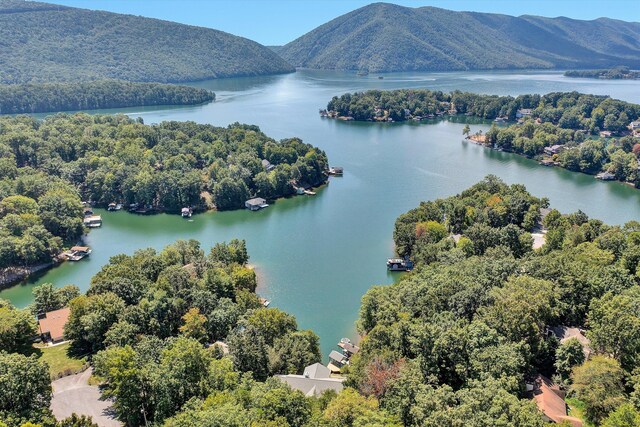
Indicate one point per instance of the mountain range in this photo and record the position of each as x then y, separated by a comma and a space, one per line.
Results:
41, 42
386, 37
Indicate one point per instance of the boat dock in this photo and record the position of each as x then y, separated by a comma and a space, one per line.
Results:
399, 264
76, 253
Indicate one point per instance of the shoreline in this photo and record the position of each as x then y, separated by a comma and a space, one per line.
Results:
12, 276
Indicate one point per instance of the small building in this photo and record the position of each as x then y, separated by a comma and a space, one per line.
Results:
76, 253
550, 400
338, 359
349, 349
93, 221
315, 380
256, 204
554, 149
267, 166
565, 333
523, 112
606, 134
51, 325
634, 125
222, 346
606, 176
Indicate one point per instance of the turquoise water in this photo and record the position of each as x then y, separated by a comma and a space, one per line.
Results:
317, 255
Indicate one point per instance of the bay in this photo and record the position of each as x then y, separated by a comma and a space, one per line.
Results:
317, 255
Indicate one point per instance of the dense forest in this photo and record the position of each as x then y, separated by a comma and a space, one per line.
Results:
100, 94
451, 344
49, 166
45, 43
383, 37
153, 324
454, 342
570, 120
616, 73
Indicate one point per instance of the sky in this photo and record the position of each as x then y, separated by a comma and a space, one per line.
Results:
277, 22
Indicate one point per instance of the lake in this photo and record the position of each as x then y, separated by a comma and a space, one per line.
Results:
317, 255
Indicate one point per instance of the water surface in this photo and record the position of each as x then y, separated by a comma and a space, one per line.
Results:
317, 255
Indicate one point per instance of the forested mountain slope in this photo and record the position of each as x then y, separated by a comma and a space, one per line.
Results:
387, 37
41, 42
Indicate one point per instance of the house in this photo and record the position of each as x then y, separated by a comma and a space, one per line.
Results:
523, 112
256, 204
222, 346
634, 125
554, 149
550, 400
564, 333
314, 381
51, 325
606, 134
266, 164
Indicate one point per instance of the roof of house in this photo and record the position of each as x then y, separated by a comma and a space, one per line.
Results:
338, 357
347, 346
565, 333
550, 400
316, 371
312, 386
53, 323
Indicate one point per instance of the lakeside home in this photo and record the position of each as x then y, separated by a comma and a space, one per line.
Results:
51, 325
315, 380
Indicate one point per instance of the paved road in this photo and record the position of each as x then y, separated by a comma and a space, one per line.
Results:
74, 394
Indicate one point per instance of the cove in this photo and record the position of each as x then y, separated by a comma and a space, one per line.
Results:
317, 255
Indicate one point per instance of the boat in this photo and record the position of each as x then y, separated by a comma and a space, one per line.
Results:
399, 264
186, 212
362, 73
87, 211
93, 221
76, 253
380, 77
118, 206
265, 302
309, 193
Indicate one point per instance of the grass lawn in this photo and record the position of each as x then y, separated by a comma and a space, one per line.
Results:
58, 359
576, 409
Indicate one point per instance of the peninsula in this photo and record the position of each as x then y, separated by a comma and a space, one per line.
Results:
585, 133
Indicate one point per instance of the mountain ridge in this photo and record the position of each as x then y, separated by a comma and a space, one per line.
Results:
50, 43
387, 37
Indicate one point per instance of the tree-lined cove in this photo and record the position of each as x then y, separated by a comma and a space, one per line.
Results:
570, 130
316, 256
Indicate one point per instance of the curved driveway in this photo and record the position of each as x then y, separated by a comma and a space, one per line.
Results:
74, 394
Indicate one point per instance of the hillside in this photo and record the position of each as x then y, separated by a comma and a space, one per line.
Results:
98, 94
41, 42
386, 37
